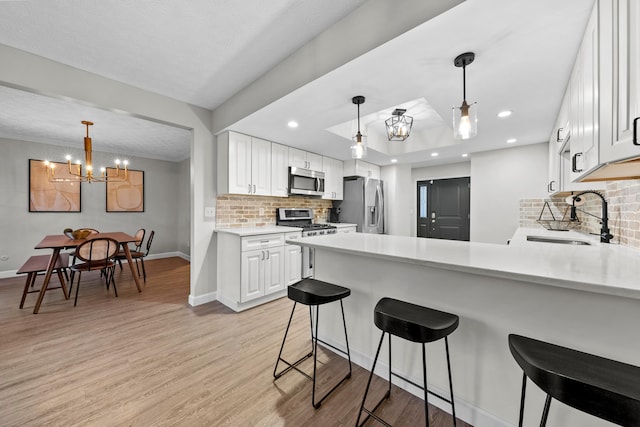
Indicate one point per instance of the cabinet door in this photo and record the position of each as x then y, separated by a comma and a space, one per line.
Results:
329, 182
292, 264
260, 167
239, 164
589, 88
297, 158
251, 275
338, 175
314, 161
620, 46
274, 279
279, 170
553, 186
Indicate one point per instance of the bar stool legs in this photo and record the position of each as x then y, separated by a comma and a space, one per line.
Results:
314, 353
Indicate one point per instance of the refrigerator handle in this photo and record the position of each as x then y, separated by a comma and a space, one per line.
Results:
380, 206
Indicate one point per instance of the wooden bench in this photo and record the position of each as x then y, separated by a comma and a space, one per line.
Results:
38, 264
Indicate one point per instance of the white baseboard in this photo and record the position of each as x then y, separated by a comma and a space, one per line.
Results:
12, 273
202, 299
464, 410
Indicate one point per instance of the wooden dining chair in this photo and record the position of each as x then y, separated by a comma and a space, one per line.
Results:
139, 255
138, 242
96, 254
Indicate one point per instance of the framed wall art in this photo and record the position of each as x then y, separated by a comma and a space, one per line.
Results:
47, 196
126, 195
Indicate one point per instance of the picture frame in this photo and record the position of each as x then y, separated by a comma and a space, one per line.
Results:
126, 195
47, 196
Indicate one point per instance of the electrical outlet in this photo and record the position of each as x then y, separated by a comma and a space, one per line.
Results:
209, 212
261, 210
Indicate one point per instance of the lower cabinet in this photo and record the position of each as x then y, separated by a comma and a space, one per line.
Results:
251, 269
292, 260
261, 273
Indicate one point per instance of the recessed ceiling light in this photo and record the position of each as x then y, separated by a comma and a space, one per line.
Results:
292, 124
394, 160
511, 140
465, 155
434, 154
505, 113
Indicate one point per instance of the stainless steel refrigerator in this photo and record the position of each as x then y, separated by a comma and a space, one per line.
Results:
363, 204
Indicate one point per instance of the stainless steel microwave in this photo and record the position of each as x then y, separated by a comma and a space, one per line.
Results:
306, 182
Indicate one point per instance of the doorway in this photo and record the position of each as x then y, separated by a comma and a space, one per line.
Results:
443, 208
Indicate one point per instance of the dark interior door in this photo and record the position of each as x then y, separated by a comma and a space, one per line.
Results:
443, 208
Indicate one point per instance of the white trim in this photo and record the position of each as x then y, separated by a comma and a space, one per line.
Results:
7, 274
464, 410
202, 299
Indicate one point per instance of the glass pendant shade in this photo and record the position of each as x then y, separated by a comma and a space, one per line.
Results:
465, 117
398, 126
465, 121
359, 147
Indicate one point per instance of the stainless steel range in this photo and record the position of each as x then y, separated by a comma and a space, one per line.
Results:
303, 218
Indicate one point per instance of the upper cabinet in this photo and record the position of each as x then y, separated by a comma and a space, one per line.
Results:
244, 165
305, 160
360, 168
620, 79
279, 170
333, 174
604, 95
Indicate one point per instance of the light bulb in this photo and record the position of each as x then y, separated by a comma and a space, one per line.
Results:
357, 150
117, 161
46, 162
78, 162
89, 168
103, 169
68, 157
126, 162
464, 128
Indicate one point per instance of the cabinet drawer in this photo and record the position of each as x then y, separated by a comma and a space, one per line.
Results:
262, 241
292, 235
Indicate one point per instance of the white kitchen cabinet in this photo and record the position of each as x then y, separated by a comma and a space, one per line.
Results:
244, 164
620, 84
553, 185
251, 268
360, 168
279, 170
292, 260
333, 174
304, 159
584, 104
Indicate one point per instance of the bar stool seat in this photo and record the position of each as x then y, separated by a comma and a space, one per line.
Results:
413, 322
314, 292
602, 387
417, 324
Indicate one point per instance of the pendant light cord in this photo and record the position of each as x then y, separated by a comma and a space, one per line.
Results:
464, 83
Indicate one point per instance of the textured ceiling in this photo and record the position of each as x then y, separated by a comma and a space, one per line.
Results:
196, 51
204, 51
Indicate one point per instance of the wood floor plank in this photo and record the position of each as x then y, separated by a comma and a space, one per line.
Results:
149, 359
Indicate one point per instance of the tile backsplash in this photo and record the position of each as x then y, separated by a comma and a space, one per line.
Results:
623, 199
240, 211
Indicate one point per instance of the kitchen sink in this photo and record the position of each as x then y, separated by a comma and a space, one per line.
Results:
555, 240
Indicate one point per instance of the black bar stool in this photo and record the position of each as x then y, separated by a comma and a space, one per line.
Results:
601, 387
413, 323
313, 292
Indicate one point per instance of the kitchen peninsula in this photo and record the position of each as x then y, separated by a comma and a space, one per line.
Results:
584, 297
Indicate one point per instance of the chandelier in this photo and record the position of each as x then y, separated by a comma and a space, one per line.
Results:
75, 170
359, 148
398, 125
465, 117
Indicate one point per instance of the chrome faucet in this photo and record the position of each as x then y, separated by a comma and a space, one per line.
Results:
605, 235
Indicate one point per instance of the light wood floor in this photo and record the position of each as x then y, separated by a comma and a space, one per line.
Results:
151, 359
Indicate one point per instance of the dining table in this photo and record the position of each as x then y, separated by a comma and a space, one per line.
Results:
57, 242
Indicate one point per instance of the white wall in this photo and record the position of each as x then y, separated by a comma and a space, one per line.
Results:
397, 179
184, 208
454, 170
23, 70
161, 189
499, 179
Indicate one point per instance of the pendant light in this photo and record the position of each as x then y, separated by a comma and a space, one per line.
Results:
359, 147
398, 125
465, 117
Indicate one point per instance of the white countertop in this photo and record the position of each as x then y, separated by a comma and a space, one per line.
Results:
601, 268
256, 231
